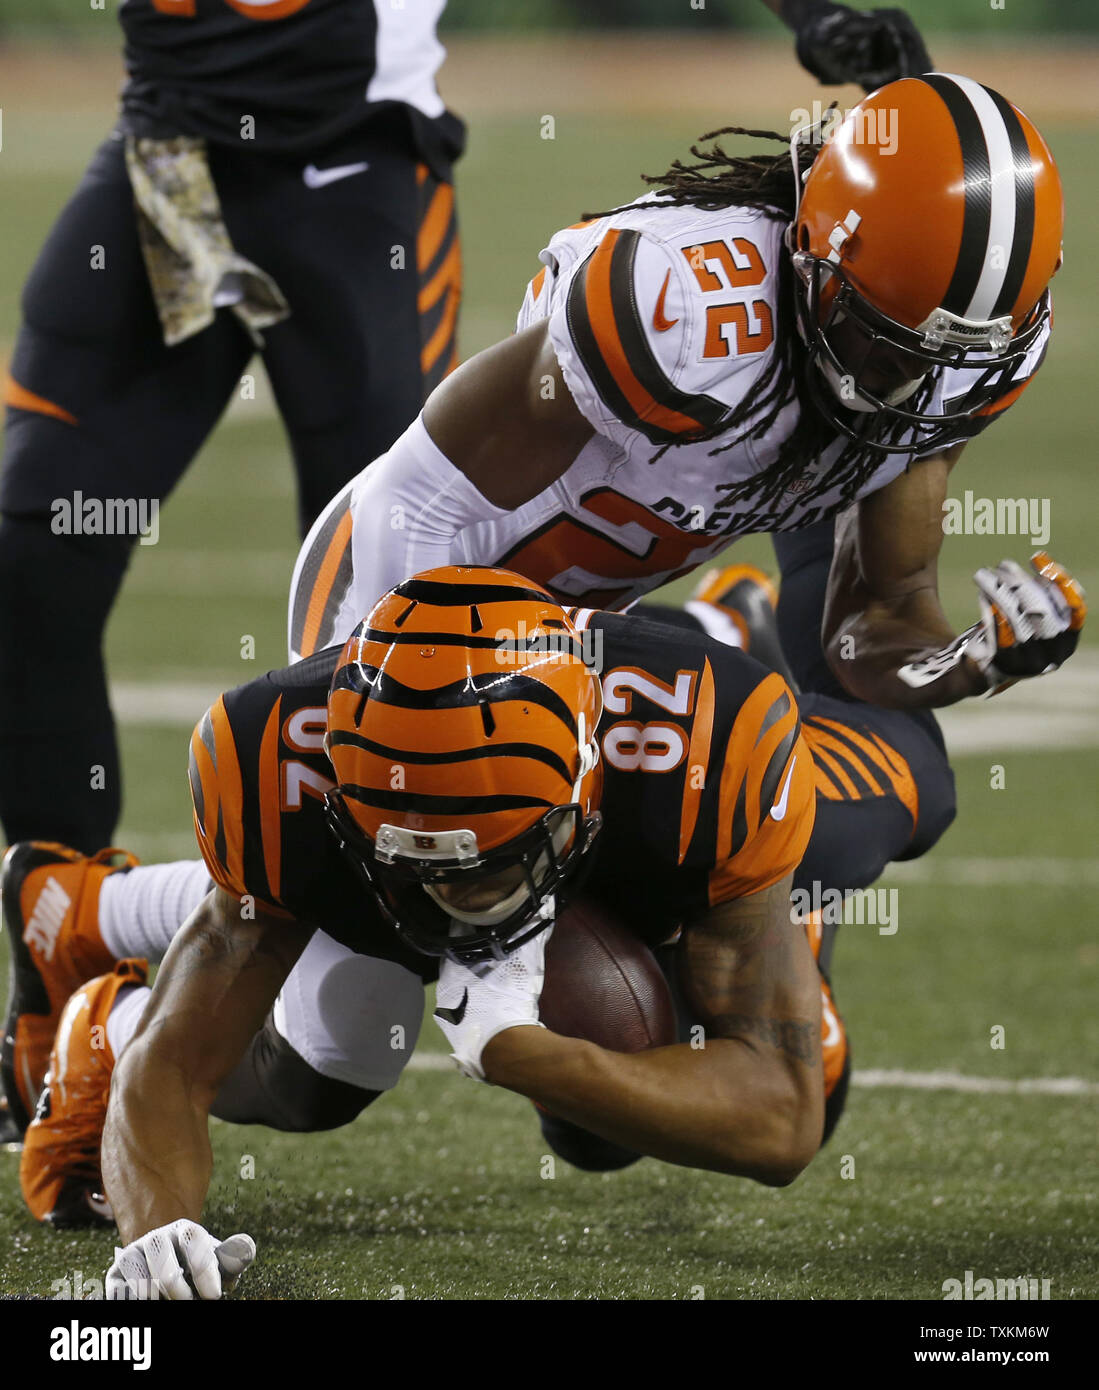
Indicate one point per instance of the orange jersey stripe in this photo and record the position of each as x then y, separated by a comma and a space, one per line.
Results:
777, 846
204, 763
994, 407
433, 227
270, 818
437, 344
843, 751
450, 272
698, 759
889, 761
761, 757
738, 755
22, 399
839, 777
230, 789
326, 577
600, 306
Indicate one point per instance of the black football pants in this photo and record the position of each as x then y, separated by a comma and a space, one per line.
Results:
96, 404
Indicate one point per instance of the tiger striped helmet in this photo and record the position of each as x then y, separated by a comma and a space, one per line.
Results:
461, 728
929, 228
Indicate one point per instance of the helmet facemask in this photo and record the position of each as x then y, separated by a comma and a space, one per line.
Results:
853, 347
407, 874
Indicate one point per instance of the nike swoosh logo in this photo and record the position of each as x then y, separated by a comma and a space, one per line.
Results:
456, 1014
778, 810
317, 178
660, 322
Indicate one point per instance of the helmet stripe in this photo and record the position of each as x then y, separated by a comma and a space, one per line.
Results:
560, 642
424, 804
973, 250
998, 224
457, 755
453, 595
1001, 181
1024, 207
387, 690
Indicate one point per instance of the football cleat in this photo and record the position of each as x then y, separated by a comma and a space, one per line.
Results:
59, 1170
51, 911
738, 602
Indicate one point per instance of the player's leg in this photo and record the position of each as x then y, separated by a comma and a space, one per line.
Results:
804, 559
736, 605
340, 1033
357, 1019
370, 266
97, 409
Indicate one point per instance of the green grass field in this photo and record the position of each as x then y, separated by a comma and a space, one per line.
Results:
439, 1190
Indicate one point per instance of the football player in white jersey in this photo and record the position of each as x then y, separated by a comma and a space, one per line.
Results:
745, 351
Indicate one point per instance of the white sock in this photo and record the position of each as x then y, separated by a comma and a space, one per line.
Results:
141, 910
125, 1015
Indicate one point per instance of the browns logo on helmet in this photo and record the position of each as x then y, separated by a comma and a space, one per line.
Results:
931, 248
461, 728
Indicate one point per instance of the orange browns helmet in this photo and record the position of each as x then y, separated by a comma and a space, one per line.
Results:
928, 230
462, 729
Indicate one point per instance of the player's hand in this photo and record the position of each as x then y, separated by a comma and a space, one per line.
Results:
180, 1261
1030, 622
871, 47
474, 1003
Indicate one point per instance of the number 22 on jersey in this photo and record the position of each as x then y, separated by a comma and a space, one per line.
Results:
741, 267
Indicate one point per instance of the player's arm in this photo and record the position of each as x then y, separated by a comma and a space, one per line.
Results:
213, 990
838, 43
883, 605
506, 421
748, 1102
885, 633
501, 429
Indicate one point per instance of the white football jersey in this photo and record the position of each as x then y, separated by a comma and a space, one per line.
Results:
663, 320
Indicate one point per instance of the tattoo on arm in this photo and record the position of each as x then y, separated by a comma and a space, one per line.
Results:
791, 1036
750, 975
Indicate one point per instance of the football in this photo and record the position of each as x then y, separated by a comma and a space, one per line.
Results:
604, 985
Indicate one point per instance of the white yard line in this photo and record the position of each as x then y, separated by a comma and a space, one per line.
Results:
982, 1085
996, 873
1061, 711
877, 1079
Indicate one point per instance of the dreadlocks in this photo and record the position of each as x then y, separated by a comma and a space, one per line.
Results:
766, 183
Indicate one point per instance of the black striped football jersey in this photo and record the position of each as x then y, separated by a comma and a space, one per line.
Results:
709, 786
286, 74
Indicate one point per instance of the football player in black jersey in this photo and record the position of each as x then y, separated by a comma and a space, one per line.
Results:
303, 143
460, 740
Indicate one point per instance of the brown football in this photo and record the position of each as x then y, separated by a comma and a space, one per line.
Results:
604, 985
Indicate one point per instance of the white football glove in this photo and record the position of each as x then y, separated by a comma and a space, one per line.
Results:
1030, 624
474, 1003
178, 1262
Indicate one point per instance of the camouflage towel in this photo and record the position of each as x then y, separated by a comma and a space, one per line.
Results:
193, 269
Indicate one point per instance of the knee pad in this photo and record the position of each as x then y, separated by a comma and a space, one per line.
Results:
352, 1017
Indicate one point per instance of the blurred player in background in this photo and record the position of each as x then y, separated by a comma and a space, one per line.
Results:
279, 181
